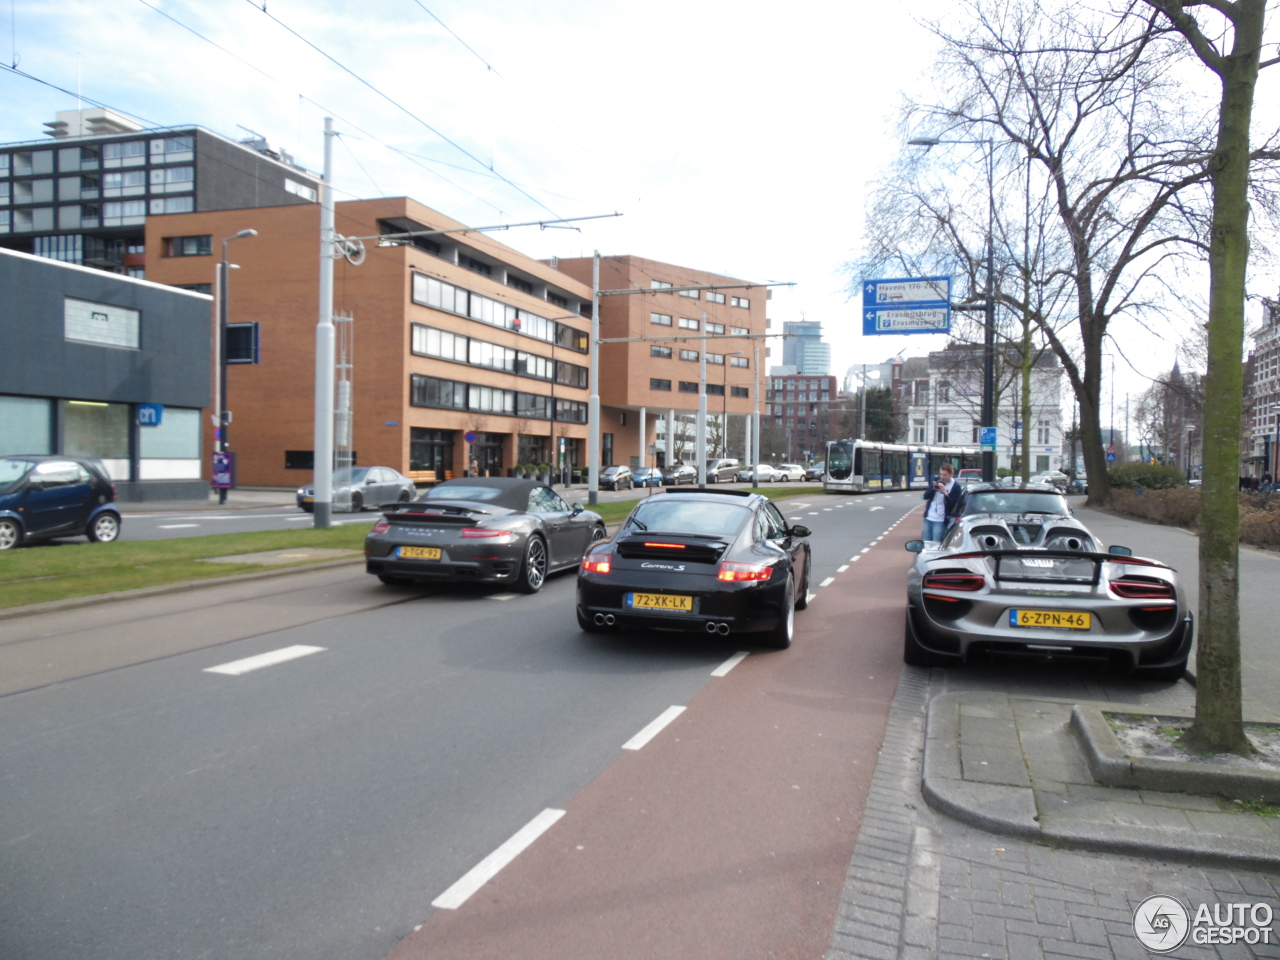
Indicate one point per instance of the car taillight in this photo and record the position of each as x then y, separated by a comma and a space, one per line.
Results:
954, 581
381, 527
595, 563
480, 533
1131, 588
732, 572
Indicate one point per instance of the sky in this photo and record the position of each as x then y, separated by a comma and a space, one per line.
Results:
734, 136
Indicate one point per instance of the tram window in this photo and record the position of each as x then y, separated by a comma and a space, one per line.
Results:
872, 460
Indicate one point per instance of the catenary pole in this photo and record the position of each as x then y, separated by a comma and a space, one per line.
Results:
754, 453
702, 408
593, 405
323, 447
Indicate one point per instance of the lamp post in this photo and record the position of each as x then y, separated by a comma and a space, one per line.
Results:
223, 420
989, 308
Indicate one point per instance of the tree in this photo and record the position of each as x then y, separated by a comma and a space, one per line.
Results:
1218, 724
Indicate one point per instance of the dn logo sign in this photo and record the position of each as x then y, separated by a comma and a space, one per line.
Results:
150, 414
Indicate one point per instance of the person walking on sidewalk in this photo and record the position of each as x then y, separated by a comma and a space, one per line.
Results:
943, 497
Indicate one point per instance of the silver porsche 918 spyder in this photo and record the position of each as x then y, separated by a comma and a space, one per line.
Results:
1019, 575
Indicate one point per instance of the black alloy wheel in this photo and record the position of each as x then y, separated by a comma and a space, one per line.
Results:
357, 501
404, 497
779, 638
598, 533
533, 572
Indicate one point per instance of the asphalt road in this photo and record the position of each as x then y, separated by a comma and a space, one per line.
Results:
199, 523
316, 807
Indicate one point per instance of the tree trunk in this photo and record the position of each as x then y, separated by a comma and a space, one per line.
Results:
1218, 723
1090, 397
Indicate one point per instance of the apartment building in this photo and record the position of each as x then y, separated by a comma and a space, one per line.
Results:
1260, 447
804, 349
85, 196
449, 334
803, 414
649, 387
940, 402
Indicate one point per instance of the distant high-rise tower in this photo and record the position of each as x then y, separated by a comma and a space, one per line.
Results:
804, 349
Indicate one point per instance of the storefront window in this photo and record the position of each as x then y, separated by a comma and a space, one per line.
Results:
99, 430
25, 425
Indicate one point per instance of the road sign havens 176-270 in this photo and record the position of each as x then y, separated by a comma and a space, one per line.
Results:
906, 305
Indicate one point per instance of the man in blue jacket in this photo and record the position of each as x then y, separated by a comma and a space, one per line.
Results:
943, 497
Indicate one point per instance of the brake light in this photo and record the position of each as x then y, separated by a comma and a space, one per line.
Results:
600, 564
732, 572
667, 546
1134, 589
381, 527
954, 581
480, 533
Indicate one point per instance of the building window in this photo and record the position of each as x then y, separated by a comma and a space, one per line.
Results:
558, 300
171, 149
173, 205
172, 179
206, 288
656, 350
715, 297
126, 183
656, 384
739, 331
26, 426
715, 389
687, 324
188, 246
431, 450
661, 319
131, 154
1043, 432
475, 266
299, 459
917, 431
943, 432
976, 428
533, 405
300, 189
242, 343
659, 285
524, 286
491, 400
100, 323
739, 362
716, 358
743, 392
944, 392
687, 386
717, 328
741, 302
689, 355
571, 411
434, 392
691, 294
4, 164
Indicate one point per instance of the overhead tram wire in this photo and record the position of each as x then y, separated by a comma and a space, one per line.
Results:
399, 106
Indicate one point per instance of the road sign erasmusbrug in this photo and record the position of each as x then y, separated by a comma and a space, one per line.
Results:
906, 305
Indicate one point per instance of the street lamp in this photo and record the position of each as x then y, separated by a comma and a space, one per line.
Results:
989, 333
223, 420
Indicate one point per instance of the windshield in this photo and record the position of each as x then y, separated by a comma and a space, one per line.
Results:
840, 461
660, 515
611, 470
350, 476
461, 492
11, 471
1015, 501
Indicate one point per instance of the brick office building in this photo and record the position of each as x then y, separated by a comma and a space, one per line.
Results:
658, 380
452, 333
804, 413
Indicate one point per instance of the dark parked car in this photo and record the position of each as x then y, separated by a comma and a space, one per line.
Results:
722, 470
707, 561
679, 474
815, 470
46, 497
616, 478
368, 487
1017, 575
486, 529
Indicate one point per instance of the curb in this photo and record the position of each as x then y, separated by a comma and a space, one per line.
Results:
74, 603
1012, 811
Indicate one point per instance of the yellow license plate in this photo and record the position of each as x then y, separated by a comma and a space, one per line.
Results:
1059, 619
660, 601
308, 499
420, 553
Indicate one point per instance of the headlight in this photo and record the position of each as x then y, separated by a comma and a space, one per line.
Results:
302, 492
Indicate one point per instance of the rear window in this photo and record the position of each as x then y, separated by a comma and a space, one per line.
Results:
461, 492
1015, 501
685, 516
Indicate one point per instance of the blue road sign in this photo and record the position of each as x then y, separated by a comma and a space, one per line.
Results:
150, 414
987, 438
906, 292
469, 436
887, 321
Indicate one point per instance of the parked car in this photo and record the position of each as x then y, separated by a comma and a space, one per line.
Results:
680, 473
767, 473
486, 529
1025, 578
1014, 500
1055, 477
44, 497
616, 478
646, 477
367, 486
969, 475
722, 470
790, 471
699, 560
815, 470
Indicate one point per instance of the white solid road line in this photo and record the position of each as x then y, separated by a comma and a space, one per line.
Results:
653, 729
827, 582
237, 667
729, 664
177, 526
488, 868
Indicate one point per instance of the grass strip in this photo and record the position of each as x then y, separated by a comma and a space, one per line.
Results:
57, 571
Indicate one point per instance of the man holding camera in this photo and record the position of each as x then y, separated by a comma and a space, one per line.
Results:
943, 497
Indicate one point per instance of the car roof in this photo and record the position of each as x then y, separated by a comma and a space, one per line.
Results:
736, 496
1015, 486
514, 496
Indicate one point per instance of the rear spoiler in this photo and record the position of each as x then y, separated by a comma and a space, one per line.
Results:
1074, 554
435, 511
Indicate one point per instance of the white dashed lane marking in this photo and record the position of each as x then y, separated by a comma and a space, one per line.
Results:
237, 667
826, 582
488, 868
177, 526
729, 664
653, 729
842, 569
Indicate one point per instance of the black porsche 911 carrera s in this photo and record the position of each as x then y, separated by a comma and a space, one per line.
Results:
486, 529
720, 562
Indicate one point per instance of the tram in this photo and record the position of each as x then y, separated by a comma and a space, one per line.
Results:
861, 466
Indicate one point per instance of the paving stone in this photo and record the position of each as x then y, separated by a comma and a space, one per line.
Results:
1022, 947
1184, 801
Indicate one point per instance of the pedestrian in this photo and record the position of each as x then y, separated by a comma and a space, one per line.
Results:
475, 468
943, 496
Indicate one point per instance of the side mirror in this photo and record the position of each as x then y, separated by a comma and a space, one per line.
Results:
800, 530
914, 546
1120, 551
577, 509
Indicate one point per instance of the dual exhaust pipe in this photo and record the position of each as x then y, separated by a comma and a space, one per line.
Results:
604, 620
608, 620
720, 628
